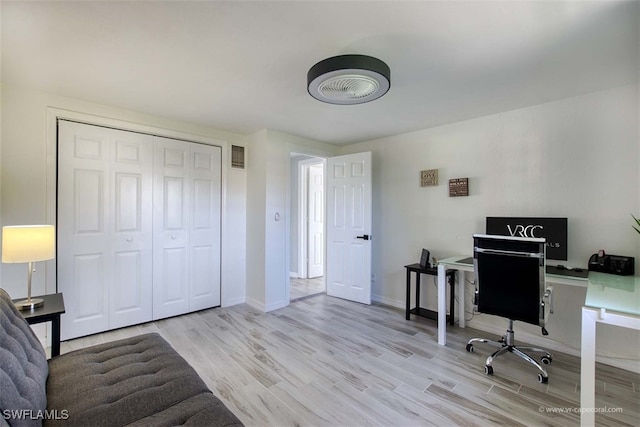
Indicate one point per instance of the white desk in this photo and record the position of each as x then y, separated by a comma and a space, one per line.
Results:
454, 263
444, 265
614, 300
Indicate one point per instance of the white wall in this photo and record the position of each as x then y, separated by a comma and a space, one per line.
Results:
26, 187
576, 158
256, 196
267, 238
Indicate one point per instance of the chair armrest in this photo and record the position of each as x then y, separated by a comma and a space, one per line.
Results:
548, 294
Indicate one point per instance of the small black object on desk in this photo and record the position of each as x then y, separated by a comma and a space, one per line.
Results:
430, 314
50, 312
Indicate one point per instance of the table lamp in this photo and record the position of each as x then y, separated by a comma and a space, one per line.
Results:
28, 243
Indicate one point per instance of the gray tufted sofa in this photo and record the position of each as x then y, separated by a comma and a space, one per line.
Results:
135, 381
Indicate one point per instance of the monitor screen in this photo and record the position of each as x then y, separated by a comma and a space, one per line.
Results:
552, 229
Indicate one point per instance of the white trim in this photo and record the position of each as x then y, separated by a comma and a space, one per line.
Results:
303, 214
294, 150
266, 308
303, 173
388, 301
233, 301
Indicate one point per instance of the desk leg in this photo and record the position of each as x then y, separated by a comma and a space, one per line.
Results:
442, 305
451, 280
588, 367
408, 305
462, 279
417, 292
55, 336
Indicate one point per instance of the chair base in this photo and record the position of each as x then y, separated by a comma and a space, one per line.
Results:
506, 344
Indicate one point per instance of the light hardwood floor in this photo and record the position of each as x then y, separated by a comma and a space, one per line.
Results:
304, 288
323, 361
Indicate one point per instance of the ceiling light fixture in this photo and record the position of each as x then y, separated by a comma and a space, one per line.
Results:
349, 79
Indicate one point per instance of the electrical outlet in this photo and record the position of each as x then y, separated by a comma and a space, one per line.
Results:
373, 277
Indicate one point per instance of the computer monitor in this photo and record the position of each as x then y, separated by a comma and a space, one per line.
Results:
554, 230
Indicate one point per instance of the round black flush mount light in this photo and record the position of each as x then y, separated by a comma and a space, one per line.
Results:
349, 79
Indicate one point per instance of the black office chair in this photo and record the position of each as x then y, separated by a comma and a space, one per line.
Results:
510, 282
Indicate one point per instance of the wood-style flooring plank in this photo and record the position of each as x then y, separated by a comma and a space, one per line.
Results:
323, 361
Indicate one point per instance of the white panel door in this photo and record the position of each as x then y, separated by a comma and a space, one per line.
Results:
315, 221
131, 237
103, 256
187, 227
204, 234
349, 227
171, 202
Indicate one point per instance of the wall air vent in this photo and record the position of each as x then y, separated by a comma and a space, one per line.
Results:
237, 156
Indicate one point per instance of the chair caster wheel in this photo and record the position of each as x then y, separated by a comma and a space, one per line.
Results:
542, 379
488, 370
470, 348
546, 360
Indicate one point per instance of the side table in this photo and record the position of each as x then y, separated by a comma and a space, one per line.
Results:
430, 314
50, 312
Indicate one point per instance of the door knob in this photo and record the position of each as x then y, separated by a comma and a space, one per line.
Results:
364, 237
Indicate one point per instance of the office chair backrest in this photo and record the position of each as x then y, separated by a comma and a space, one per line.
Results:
510, 276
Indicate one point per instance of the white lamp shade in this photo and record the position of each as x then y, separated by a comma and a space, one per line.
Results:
28, 243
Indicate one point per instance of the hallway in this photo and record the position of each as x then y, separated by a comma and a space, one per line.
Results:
303, 288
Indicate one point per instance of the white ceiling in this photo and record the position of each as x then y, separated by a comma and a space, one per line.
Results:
241, 66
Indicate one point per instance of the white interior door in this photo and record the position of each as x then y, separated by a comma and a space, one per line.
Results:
315, 221
349, 227
130, 292
171, 202
104, 229
204, 235
187, 205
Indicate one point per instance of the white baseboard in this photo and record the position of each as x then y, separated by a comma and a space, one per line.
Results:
293, 275
388, 301
276, 306
233, 301
266, 308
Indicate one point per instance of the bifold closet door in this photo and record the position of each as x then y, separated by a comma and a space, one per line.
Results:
186, 223
104, 227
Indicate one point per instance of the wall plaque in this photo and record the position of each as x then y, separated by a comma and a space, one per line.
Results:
458, 187
428, 177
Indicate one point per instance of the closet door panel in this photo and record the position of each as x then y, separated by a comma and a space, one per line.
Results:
131, 228
128, 299
104, 227
171, 198
83, 250
172, 286
205, 226
139, 224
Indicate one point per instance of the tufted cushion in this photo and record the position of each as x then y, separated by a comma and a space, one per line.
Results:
23, 366
139, 380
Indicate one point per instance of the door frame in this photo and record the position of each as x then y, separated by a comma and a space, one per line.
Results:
303, 207
319, 155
